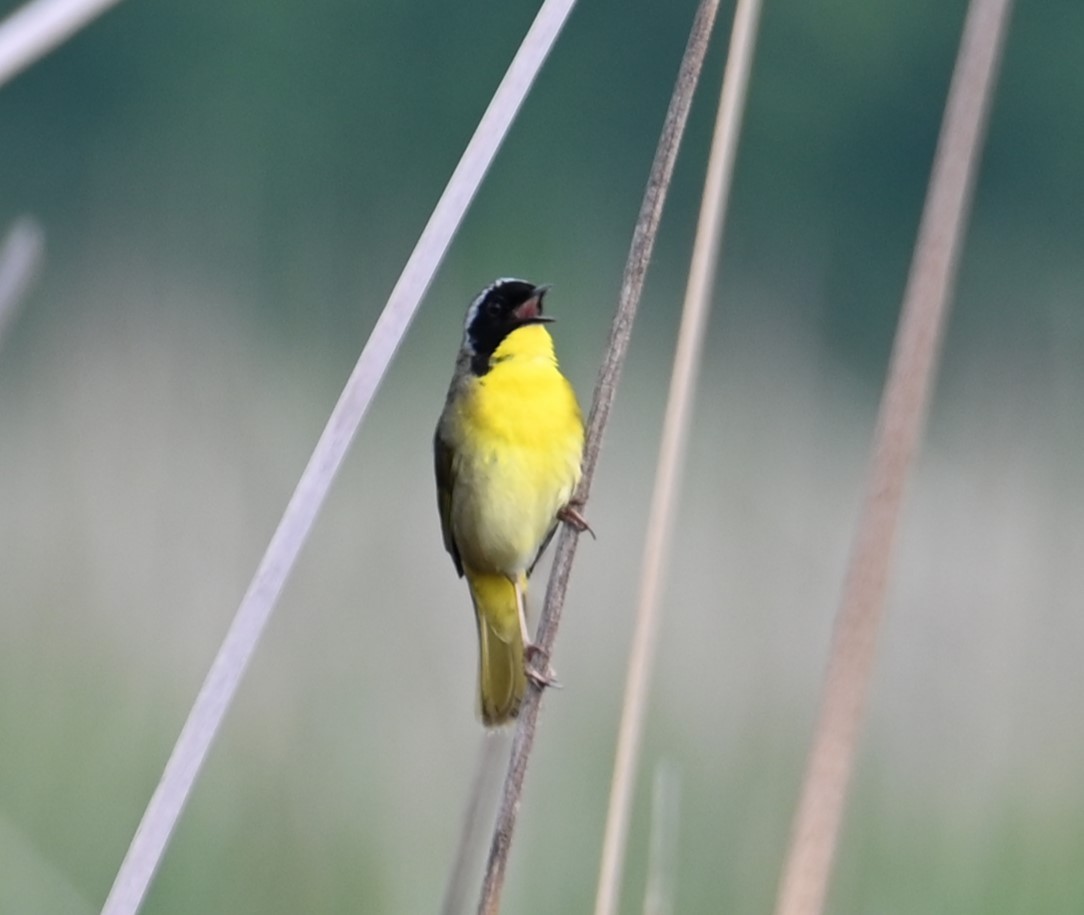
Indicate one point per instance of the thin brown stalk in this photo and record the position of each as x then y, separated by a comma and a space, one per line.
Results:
660, 890
33, 30
815, 831
21, 255
221, 683
672, 447
643, 242
474, 829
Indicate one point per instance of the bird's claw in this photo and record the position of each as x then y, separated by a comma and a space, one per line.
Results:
571, 516
540, 674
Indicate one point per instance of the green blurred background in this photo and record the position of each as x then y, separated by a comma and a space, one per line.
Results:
229, 192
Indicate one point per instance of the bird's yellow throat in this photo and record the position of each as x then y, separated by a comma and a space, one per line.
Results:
529, 344
525, 401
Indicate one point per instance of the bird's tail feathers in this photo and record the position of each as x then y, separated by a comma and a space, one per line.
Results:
502, 681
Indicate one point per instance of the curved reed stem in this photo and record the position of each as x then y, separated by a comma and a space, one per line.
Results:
815, 831
660, 890
675, 434
643, 242
33, 30
491, 755
220, 686
21, 255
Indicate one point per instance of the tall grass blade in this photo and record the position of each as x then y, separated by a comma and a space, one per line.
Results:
33, 30
643, 243
219, 687
660, 894
472, 836
21, 254
815, 832
672, 446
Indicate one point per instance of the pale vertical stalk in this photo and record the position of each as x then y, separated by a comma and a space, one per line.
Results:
474, 829
632, 284
661, 889
675, 432
815, 832
220, 685
21, 254
33, 30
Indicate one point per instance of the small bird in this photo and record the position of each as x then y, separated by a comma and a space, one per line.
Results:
507, 450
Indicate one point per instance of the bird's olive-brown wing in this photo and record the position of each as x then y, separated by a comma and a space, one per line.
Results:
444, 465
542, 549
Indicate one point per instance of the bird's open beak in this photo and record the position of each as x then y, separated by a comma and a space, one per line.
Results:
530, 312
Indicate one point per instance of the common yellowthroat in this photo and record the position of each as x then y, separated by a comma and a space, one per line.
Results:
507, 451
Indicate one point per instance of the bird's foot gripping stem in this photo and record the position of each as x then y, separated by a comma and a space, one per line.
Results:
571, 516
538, 668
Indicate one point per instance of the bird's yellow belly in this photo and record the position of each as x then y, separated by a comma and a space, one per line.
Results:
507, 502
518, 464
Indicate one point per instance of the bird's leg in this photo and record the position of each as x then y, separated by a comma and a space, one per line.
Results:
538, 668
521, 608
570, 514
541, 675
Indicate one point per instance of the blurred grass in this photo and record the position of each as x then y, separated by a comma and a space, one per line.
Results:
143, 463
227, 195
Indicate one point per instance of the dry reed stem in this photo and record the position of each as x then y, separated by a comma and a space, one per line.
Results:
21, 256
33, 30
815, 832
660, 890
643, 242
475, 826
672, 446
220, 685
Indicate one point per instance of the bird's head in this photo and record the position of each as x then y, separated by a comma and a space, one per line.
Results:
502, 307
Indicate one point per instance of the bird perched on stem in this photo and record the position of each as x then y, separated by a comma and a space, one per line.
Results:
507, 451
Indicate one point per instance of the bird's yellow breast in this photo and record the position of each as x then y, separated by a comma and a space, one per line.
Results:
517, 435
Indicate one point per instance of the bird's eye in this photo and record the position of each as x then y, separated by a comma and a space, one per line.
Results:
493, 308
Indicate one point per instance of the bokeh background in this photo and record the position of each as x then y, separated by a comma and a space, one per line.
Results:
229, 191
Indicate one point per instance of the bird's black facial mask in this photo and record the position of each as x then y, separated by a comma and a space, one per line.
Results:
501, 309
